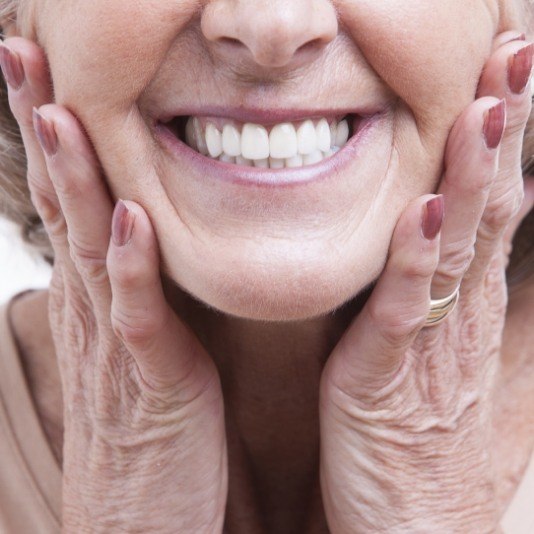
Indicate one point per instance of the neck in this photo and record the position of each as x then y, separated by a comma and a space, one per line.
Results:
265, 360
270, 375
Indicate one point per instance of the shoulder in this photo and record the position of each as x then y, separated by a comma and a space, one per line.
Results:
28, 315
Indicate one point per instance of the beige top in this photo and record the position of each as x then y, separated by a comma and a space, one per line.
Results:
30, 478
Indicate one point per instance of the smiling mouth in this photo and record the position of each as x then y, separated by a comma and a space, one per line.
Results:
272, 146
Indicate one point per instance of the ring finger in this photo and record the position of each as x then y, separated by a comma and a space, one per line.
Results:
471, 164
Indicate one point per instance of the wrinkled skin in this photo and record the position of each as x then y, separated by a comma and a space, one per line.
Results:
118, 78
397, 404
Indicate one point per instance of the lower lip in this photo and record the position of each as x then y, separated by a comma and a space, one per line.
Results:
256, 176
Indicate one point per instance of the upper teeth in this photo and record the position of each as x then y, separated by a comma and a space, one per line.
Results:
285, 145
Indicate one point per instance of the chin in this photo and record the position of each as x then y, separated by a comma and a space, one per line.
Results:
280, 291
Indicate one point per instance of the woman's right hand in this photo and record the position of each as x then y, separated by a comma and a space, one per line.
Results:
144, 435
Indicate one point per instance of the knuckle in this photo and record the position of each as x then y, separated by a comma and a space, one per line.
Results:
455, 261
398, 324
67, 187
420, 269
37, 179
397, 334
138, 330
449, 278
52, 217
518, 116
92, 270
480, 182
480, 172
89, 264
57, 230
502, 210
127, 275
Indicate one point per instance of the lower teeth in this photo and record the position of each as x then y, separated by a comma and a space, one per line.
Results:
275, 163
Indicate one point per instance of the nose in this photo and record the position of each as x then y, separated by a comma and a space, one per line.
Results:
269, 33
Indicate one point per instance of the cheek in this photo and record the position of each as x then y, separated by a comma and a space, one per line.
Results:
101, 65
429, 53
108, 62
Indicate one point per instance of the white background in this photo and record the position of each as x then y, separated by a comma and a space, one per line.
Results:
19, 268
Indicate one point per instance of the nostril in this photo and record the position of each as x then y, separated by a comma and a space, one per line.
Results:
230, 41
311, 46
268, 33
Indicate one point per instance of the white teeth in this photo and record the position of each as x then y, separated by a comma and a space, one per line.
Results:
307, 138
254, 142
284, 147
295, 161
323, 135
200, 139
314, 157
231, 140
333, 132
276, 163
264, 163
226, 158
240, 160
213, 140
342, 134
283, 141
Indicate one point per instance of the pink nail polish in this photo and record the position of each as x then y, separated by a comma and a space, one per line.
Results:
520, 69
11, 67
432, 219
45, 132
494, 122
122, 224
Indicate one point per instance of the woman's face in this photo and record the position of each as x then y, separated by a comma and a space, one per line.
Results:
266, 243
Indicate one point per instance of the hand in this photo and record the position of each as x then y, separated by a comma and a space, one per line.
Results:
144, 441
405, 412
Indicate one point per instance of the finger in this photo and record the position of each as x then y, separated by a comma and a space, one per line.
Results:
82, 194
506, 37
506, 76
168, 354
372, 350
26, 70
470, 166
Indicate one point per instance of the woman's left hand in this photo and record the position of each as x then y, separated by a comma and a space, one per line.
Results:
406, 411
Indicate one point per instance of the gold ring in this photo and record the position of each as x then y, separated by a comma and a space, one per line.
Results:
440, 308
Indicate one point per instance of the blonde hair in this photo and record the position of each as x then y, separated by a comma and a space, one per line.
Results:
15, 203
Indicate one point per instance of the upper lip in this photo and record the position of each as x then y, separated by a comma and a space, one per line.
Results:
264, 115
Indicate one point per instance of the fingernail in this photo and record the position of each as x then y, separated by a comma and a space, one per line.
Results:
494, 121
45, 132
520, 68
517, 37
11, 67
122, 224
432, 219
